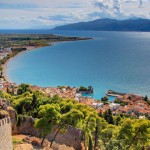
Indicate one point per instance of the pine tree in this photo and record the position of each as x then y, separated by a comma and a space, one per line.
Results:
108, 116
90, 143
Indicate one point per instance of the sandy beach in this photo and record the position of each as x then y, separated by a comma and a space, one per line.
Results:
20, 53
4, 70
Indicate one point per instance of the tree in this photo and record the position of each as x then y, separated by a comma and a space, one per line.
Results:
97, 132
108, 135
22, 101
145, 98
104, 99
72, 118
117, 120
108, 116
88, 127
56, 99
34, 100
2, 95
13, 92
90, 143
141, 135
8, 90
44, 126
66, 107
82, 88
134, 134
26, 105
100, 125
49, 117
23, 88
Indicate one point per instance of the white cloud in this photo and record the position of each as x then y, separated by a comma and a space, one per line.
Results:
27, 13
124, 8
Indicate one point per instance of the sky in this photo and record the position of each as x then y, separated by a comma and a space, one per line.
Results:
39, 14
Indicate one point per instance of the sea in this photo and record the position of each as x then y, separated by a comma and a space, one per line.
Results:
117, 61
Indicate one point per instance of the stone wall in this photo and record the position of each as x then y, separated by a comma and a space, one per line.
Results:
26, 126
72, 138
5, 134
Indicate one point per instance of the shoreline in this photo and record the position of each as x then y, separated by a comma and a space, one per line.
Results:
29, 48
4, 67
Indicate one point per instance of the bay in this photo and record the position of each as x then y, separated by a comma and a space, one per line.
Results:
111, 60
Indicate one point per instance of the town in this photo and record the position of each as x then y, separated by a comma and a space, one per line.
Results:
126, 104
62, 117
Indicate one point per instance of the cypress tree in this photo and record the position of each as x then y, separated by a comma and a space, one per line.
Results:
90, 143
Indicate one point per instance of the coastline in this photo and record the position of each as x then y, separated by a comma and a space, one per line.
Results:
4, 67
4, 71
29, 48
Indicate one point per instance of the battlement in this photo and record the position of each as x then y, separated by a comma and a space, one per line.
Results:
4, 121
5, 134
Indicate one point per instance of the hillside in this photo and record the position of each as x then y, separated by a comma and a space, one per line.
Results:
109, 25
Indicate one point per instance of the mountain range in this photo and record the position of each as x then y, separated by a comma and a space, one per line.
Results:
134, 24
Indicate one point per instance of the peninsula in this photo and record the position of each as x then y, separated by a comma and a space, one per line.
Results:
13, 44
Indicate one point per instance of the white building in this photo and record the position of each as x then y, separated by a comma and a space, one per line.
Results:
78, 97
114, 106
97, 105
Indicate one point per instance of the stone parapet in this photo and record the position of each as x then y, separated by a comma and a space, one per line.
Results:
5, 134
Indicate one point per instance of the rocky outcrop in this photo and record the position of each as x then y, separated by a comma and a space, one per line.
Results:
84, 90
23, 147
30, 143
114, 93
25, 125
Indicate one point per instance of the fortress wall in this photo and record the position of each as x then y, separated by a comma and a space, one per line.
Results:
5, 134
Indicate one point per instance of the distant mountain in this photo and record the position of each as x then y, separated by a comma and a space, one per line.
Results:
109, 25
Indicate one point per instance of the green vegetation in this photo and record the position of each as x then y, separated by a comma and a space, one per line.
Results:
49, 117
82, 88
120, 102
15, 141
108, 116
85, 90
23, 88
146, 100
20, 42
104, 99
107, 132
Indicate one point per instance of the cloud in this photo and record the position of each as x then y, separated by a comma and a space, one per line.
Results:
27, 13
107, 5
116, 5
123, 8
101, 5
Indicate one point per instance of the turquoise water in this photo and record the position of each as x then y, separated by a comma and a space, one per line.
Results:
112, 60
